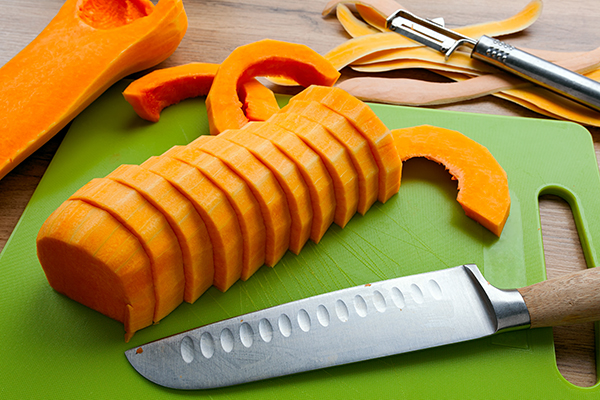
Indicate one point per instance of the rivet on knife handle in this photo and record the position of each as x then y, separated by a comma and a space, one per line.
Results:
549, 75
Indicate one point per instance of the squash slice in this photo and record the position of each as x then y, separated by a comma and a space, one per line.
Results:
482, 184
88, 46
358, 148
264, 186
262, 58
183, 218
289, 178
334, 156
370, 126
259, 102
214, 208
91, 258
152, 230
241, 199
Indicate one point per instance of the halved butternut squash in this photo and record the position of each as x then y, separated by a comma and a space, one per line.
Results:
482, 184
91, 258
334, 156
262, 58
264, 186
311, 167
357, 146
241, 199
152, 230
214, 208
183, 218
370, 126
290, 179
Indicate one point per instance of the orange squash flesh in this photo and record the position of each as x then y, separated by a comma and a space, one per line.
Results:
183, 218
214, 208
75, 58
370, 126
311, 167
358, 148
241, 199
116, 279
289, 178
264, 186
334, 156
482, 184
151, 228
153, 92
263, 58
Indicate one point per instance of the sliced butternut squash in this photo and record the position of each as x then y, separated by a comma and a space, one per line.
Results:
482, 183
290, 179
356, 145
183, 218
151, 228
161, 88
91, 258
241, 199
311, 167
134, 35
334, 156
214, 208
370, 126
264, 186
267, 58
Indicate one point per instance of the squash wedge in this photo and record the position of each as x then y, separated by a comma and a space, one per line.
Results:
115, 280
262, 58
334, 156
152, 230
88, 46
264, 186
482, 184
241, 199
183, 218
370, 126
289, 178
214, 208
358, 148
311, 167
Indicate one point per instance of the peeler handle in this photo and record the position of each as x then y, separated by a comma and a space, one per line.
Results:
537, 70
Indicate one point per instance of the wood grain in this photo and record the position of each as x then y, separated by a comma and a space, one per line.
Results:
217, 27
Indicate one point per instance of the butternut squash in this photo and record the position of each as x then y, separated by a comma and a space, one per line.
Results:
161, 88
370, 126
264, 186
289, 178
241, 199
334, 156
356, 145
354, 26
267, 58
101, 264
152, 230
214, 208
311, 167
183, 218
88, 46
482, 183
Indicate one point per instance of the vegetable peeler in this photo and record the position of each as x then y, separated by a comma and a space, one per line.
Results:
433, 34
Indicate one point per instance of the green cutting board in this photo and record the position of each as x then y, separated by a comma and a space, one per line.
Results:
54, 348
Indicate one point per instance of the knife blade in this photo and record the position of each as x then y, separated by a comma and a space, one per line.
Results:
570, 84
369, 321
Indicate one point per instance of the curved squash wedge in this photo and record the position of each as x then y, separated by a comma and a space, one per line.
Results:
263, 58
482, 184
107, 40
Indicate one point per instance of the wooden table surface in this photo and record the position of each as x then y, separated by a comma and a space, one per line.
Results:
217, 27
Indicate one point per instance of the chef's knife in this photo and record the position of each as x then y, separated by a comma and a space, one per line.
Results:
363, 322
502, 55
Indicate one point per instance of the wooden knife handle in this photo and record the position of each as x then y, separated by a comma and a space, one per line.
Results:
566, 300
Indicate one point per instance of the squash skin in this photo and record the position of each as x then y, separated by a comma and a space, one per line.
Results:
89, 59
